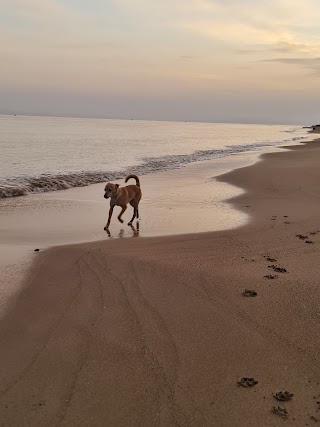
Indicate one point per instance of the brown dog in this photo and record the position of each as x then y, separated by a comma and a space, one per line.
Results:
121, 196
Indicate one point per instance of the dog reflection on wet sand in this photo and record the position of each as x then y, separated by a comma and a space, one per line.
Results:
121, 196
135, 232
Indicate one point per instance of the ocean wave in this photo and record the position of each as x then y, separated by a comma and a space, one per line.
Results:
21, 186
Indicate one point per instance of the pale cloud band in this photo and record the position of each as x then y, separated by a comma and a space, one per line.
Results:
149, 48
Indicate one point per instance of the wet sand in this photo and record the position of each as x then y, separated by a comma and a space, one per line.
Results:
157, 331
174, 202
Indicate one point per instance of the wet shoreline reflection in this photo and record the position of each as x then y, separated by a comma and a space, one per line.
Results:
135, 232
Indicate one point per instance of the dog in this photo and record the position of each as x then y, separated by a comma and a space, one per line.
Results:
121, 196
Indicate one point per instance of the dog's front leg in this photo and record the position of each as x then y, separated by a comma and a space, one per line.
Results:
110, 215
121, 213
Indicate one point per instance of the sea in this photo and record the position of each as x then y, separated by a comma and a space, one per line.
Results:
41, 154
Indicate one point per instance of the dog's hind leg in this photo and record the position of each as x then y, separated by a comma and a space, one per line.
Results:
134, 204
134, 215
121, 213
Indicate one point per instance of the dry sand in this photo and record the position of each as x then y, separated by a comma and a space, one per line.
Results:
156, 331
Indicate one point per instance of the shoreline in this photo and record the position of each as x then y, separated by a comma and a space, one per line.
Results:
78, 215
205, 141
71, 216
156, 331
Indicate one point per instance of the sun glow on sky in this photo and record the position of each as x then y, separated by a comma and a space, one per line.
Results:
208, 60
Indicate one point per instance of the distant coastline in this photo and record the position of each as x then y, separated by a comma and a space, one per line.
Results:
149, 119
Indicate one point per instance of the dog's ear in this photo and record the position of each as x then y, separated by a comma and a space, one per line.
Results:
115, 188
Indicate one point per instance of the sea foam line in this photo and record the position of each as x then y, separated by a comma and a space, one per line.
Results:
21, 186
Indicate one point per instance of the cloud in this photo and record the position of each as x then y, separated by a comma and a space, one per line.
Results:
300, 61
35, 9
144, 47
312, 64
190, 57
292, 47
250, 27
282, 47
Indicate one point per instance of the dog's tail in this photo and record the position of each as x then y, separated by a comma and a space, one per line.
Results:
134, 177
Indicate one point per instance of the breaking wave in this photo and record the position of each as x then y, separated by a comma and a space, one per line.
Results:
21, 186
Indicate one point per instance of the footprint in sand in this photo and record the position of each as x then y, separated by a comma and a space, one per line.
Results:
314, 232
271, 276
278, 269
283, 396
309, 241
42, 403
301, 236
268, 257
248, 293
247, 382
281, 411
271, 259
288, 222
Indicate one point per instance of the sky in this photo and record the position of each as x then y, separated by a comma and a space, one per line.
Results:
249, 61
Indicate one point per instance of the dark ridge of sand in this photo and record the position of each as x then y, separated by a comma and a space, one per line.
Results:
156, 331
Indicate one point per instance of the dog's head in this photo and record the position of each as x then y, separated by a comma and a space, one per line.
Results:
110, 190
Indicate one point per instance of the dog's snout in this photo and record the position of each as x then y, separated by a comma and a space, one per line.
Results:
106, 196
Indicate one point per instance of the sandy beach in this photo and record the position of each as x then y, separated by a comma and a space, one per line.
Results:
192, 201
156, 330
